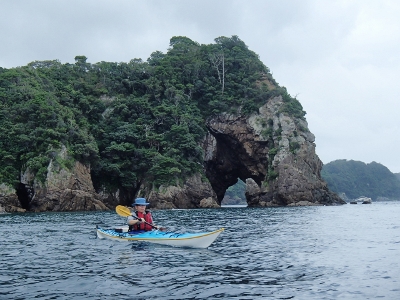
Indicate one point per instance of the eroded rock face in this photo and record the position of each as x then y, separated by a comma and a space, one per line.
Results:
272, 152
195, 193
67, 191
9, 201
64, 190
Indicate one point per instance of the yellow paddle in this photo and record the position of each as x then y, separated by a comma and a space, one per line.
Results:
124, 211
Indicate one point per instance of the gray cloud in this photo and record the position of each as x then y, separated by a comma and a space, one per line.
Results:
341, 58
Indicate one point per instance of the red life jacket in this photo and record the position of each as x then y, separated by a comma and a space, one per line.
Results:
143, 226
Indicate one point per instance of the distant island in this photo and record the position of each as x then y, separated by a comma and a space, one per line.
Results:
351, 179
397, 175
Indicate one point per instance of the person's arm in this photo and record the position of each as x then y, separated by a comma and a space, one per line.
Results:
133, 221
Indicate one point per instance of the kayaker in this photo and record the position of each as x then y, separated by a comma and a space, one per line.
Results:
139, 209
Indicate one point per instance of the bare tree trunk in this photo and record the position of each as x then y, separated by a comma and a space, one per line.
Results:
218, 60
223, 73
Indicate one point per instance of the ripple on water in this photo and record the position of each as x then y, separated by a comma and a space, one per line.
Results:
345, 252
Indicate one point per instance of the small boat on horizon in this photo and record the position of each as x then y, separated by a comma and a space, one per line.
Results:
363, 200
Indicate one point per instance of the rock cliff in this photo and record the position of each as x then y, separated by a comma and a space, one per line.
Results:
65, 189
273, 152
194, 193
9, 201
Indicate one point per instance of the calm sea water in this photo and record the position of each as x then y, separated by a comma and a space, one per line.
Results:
343, 252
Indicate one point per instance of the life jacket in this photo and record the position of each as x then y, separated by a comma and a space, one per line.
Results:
142, 226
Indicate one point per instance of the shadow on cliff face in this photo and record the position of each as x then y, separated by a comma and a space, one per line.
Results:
24, 194
232, 155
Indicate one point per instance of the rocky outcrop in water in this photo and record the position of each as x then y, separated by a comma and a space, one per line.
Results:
194, 193
273, 152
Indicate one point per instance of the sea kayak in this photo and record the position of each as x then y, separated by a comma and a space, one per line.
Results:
192, 240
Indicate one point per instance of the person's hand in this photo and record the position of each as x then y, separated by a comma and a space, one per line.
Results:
161, 228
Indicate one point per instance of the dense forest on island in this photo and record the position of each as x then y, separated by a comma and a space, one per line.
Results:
130, 121
355, 179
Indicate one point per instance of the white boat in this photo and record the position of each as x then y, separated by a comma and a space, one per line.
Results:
364, 200
191, 240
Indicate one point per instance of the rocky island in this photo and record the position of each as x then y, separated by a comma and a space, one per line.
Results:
179, 129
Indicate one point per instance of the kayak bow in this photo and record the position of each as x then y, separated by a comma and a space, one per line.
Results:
192, 240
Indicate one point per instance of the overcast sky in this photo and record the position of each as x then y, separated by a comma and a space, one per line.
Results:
340, 58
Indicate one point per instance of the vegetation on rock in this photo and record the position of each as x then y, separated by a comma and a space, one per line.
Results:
134, 122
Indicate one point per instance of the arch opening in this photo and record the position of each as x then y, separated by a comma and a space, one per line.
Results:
235, 194
233, 159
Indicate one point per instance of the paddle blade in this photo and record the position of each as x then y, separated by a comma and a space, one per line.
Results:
123, 211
